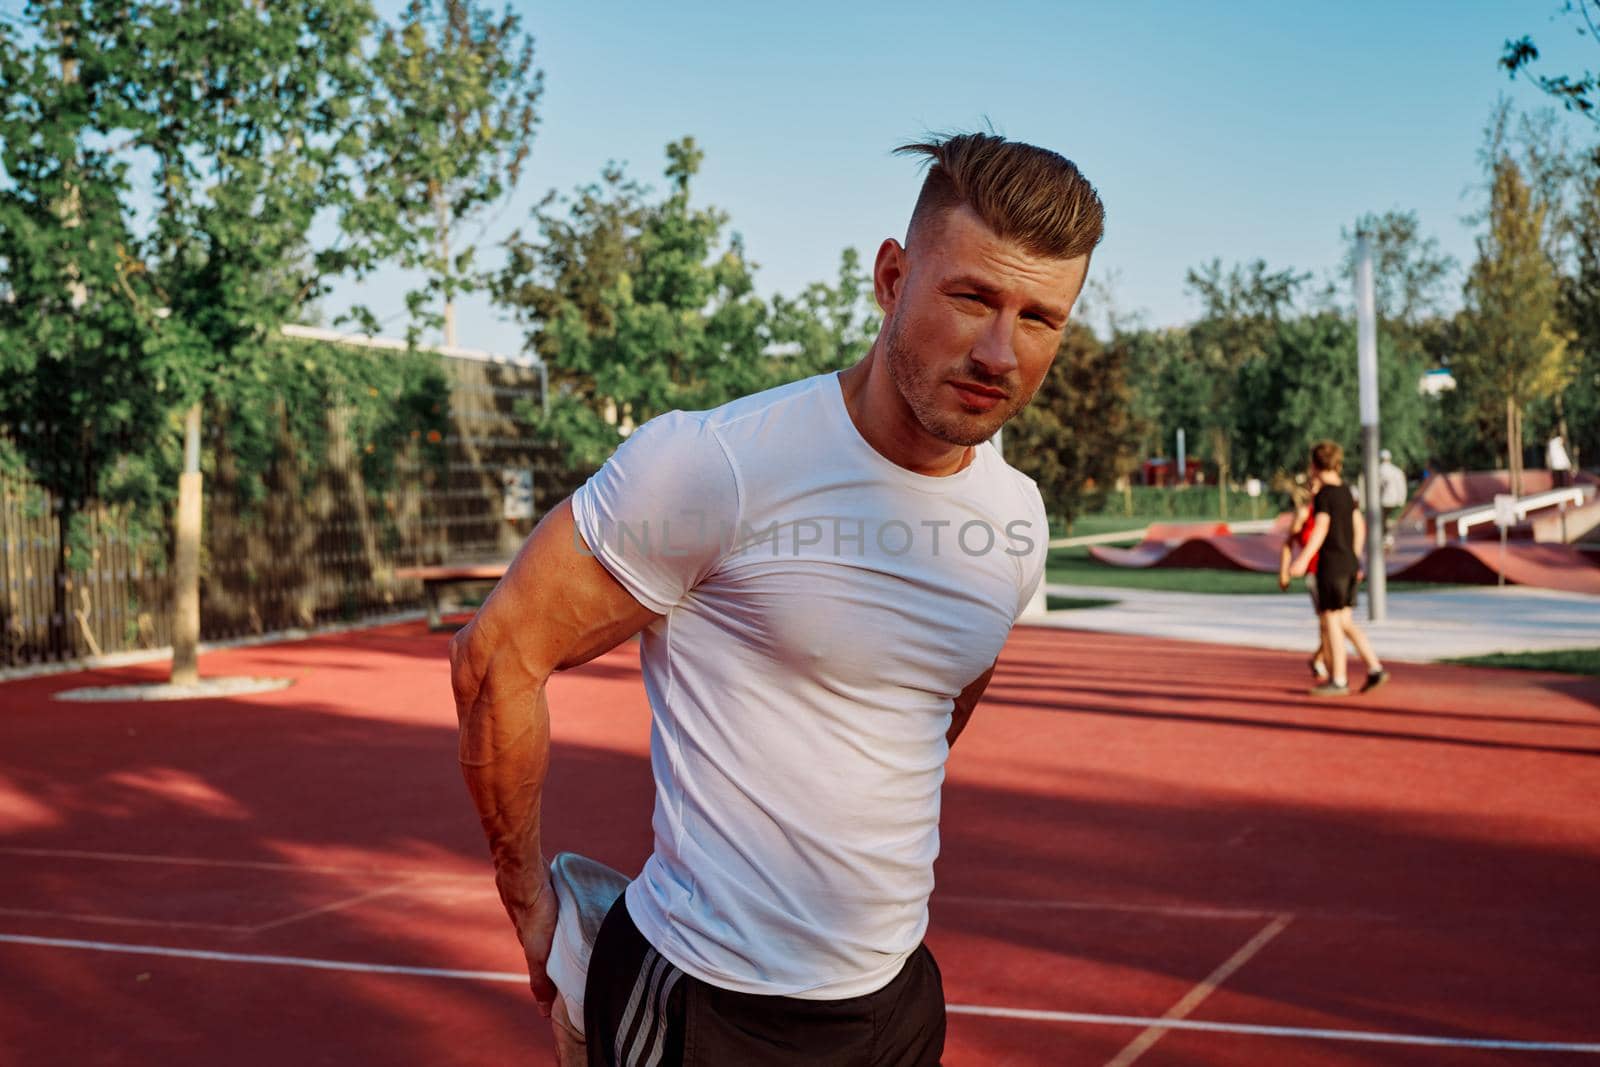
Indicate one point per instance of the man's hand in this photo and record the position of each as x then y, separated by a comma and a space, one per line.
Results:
571, 1048
536, 928
1298, 569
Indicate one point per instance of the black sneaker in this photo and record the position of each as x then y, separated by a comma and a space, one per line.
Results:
1375, 679
1330, 689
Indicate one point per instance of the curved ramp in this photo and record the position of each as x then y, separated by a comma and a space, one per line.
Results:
1546, 566
1413, 559
1203, 545
1467, 489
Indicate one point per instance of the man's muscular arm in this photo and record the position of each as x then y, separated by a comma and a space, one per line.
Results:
555, 608
967, 700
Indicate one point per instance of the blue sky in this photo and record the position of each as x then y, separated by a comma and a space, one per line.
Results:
1242, 129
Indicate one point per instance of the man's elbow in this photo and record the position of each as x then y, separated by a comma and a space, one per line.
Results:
468, 665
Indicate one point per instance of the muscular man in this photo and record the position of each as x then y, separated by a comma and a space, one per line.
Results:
824, 574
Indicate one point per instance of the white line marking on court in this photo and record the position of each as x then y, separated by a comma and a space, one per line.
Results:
337, 905
119, 920
986, 1011
249, 865
1253, 1030
1196, 996
1187, 911
275, 961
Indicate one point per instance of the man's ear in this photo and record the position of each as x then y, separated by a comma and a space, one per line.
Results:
889, 274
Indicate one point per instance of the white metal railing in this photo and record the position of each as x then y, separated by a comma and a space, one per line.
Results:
1466, 518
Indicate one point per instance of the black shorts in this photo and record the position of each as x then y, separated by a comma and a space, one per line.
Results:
639, 1010
1336, 586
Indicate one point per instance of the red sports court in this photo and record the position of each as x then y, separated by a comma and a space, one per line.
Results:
1154, 852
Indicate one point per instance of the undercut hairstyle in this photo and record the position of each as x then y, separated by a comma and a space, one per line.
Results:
1024, 193
1327, 456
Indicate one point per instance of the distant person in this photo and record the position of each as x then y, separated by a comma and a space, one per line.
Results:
1392, 492
1559, 462
1299, 534
1337, 528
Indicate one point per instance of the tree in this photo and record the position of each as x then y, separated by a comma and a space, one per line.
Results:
1410, 273
1304, 388
1166, 386
82, 365
1516, 349
637, 307
1578, 93
1577, 414
247, 130
452, 128
827, 327
1078, 431
1241, 308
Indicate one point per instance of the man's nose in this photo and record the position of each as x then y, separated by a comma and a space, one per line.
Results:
994, 352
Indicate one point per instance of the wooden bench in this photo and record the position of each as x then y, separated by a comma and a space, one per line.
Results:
437, 578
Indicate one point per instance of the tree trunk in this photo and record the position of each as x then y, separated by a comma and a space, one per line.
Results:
1221, 439
441, 214
186, 569
1514, 446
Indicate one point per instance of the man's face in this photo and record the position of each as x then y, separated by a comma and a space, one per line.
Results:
973, 323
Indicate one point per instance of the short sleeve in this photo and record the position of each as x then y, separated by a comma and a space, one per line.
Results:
1037, 531
660, 513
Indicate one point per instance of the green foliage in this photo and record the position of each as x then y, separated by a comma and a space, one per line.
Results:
1409, 270
453, 124
827, 327
1241, 308
85, 375
388, 404
1516, 346
1580, 310
639, 307
1167, 390
1304, 388
1198, 503
1578, 93
1077, 435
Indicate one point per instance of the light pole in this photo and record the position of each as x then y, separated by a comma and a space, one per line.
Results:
1367, 365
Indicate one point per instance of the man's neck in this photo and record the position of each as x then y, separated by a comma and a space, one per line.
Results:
1330, 478
886, 422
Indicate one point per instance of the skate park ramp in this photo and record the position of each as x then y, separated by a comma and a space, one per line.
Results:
1456, 490
1199, 545
1526, 559
1545, 566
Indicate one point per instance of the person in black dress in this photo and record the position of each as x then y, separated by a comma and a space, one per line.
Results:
1338, 529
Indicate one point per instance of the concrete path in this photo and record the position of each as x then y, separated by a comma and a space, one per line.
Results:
1421, 627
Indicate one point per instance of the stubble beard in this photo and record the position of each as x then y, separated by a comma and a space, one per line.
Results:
921, 390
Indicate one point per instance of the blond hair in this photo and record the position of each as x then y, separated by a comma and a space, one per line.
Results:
1024, 193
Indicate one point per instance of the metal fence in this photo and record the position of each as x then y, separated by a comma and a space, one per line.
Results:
301, 556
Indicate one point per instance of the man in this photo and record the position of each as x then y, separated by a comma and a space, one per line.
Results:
1558, 461
1393, 493
1337, 533
824, 574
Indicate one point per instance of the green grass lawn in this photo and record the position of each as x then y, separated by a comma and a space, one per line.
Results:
1566, 661
1086, 525
1063, 603
1074, 566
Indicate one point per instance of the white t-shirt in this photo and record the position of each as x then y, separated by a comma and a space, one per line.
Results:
822, 608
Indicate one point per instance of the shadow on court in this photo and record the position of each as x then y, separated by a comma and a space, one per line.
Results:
1106, 848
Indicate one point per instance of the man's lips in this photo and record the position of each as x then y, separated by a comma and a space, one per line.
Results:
983, 395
